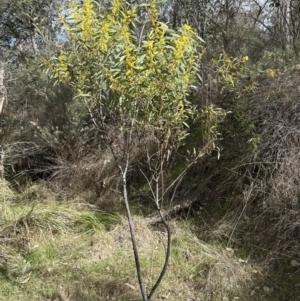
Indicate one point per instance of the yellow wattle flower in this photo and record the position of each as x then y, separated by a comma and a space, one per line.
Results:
271, 72
88, 14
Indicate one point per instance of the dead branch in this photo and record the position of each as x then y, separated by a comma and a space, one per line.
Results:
168, 214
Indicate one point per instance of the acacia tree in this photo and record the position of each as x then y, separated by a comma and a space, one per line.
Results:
135, 87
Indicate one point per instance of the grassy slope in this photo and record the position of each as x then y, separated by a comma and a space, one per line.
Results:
99, 266
79, 254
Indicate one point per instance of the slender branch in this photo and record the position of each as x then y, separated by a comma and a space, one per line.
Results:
159, 204
157, 193
141, 34
91, 113
133, 240
167, 257
176, 187
123, 170
185, 170
261, 23
149, 183
162, 159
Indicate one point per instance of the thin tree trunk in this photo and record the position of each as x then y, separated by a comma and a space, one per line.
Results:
3, 98
123, 168
133, 239
167, 256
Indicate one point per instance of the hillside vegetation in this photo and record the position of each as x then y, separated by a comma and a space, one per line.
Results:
149, 150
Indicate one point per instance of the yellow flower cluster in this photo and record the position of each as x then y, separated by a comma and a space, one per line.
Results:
156, 40
271, 72
153, 13
108, 22
130, 58
191, 67
245, 58
87, 19
62, 71
114, 83
116, 6
156, 47
181, 44
105, 36
150, 55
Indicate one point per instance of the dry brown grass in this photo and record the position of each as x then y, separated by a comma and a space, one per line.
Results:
260, 204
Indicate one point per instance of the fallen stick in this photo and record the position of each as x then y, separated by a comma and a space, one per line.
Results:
167, 214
